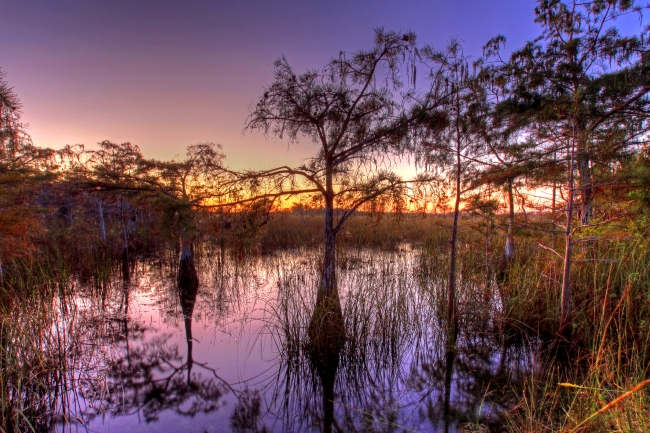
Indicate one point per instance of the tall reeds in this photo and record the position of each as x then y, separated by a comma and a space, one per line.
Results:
392, 274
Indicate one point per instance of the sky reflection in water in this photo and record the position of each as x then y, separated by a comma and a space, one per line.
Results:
231, 354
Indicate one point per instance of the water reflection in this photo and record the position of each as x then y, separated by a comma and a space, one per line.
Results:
384, 363
147, 375
187, 291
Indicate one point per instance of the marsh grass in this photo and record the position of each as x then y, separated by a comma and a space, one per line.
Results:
43, 362
611, 343
304, 229
392, 274
392, 365
609, 351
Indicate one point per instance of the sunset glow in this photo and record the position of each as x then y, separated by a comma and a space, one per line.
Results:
163, 74
347, 216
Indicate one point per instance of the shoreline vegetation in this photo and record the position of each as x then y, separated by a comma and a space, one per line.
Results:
524, 238
597, 381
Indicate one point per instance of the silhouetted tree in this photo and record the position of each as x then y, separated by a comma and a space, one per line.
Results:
117, 168
449, 145
22, 167
350, 110
182, 188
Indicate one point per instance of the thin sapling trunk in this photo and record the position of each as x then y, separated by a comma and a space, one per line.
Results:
510, 241
565, 308
102, 224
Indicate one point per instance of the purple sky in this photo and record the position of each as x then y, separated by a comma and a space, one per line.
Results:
164, 74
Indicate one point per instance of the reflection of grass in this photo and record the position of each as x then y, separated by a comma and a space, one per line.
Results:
44, 362
393, 306
392, 365
69, 357
380, 298
371, 302
372, 418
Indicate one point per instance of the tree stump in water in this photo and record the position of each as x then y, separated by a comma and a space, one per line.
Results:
187, 276
503, 269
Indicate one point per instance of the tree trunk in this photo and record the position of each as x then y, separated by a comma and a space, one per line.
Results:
554, 186
509, 253
327, 327
125, 244
71, 221
451, 287
565, 309
553, 205
488, 239
102, 225
328, 282
586, 191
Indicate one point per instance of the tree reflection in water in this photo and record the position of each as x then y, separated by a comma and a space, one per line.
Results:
397, 370
150, 376
386, 364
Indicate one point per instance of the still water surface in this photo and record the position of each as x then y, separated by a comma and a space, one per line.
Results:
230, 355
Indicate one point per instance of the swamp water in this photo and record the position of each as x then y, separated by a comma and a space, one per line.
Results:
144, 355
